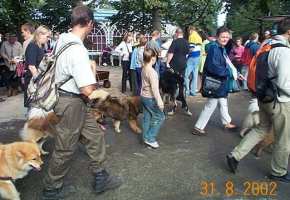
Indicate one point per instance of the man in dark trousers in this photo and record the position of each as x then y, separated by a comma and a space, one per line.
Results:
176, 59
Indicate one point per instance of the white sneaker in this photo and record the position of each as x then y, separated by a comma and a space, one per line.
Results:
187, 112
170, 113
154, 145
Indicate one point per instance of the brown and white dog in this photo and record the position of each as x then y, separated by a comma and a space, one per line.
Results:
39, 126
121, 109
16, 160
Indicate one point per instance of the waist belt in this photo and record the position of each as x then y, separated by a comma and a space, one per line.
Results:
64, 93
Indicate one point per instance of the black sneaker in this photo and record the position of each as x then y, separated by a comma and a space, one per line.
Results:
285, 178
232, 163
55, 194
104, 181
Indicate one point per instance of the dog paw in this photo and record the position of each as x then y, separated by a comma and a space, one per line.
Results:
118, 130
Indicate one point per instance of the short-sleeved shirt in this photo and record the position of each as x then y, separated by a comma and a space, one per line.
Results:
11, 51
73, 62
33, 54
179, 48
152, 44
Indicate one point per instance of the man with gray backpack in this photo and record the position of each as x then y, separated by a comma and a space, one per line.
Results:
272, 89
74, 78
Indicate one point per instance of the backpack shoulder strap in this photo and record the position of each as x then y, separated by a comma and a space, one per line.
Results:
65, 47
278, 45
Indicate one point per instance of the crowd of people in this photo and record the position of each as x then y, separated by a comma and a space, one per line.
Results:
223, 62
219, 64
36, 43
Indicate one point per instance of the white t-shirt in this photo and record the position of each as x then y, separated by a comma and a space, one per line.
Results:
73, 62
124, 49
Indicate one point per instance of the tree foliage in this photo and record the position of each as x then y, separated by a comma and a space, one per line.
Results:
14, 12
132, 15
243, 15
202, 13
55, 17
52, 13
141, 15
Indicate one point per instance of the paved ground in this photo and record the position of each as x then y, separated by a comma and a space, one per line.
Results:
176, 171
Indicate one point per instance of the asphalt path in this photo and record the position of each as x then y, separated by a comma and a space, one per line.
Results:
185, 167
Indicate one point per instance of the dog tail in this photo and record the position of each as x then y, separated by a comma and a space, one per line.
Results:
38, 127
24, 132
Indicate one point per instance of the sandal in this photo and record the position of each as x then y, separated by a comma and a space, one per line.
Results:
197, 131
230, 126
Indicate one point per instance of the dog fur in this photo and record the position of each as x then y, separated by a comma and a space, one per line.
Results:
121, 109
39, 126
16, 160
169, 88
252, 120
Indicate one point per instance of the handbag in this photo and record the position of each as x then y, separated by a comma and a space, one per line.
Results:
210, 86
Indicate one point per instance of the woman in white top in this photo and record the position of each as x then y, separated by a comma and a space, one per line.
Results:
125, 50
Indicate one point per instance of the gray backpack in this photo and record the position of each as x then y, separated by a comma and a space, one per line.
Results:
42, 92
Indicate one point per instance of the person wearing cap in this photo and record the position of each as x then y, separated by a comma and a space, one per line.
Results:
10, 50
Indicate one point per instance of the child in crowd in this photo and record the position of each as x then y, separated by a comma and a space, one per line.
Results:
152, 103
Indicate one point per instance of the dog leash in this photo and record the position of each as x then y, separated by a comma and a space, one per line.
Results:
6, 178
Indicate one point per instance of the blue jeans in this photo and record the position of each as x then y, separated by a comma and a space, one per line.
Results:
152, 119
192, 67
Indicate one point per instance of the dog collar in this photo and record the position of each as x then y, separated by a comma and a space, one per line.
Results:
6, 178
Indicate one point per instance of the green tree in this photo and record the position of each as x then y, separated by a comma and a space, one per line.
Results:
202, 13
147, 15
13, 13
243, 15
132, 15
53, 13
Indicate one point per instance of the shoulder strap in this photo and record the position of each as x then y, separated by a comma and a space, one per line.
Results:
127, 47
58, 54
278, 45
66, 46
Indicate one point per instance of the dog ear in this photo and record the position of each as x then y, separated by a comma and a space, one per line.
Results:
20, 154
